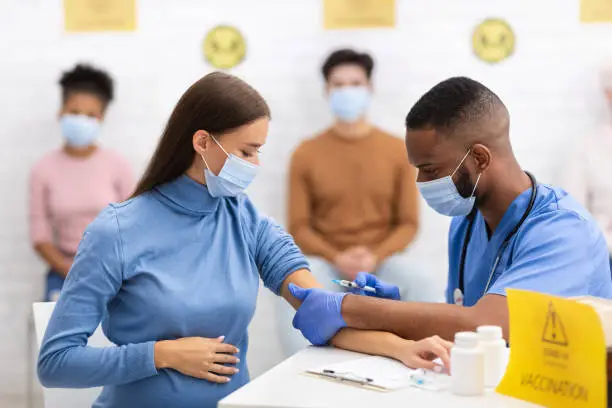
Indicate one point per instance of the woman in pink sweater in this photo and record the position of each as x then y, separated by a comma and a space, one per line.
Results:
70, 185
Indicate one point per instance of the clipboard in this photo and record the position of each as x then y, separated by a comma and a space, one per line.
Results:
374, 373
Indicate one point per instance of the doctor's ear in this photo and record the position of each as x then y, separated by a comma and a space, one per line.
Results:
481, 156
201, 141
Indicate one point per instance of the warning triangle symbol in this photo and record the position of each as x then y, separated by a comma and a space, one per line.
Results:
554, 332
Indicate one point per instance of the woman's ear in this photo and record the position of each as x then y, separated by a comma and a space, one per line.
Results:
201, 141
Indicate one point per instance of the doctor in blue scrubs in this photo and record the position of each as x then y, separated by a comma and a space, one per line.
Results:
173, 273
507, 231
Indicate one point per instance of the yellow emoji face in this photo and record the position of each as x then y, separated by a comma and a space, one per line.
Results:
493, 40
224, 47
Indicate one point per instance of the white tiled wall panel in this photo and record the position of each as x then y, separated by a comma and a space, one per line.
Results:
550, 86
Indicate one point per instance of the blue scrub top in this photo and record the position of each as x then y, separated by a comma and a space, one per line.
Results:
559, 250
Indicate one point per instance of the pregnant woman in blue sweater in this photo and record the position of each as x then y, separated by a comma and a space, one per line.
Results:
173, 272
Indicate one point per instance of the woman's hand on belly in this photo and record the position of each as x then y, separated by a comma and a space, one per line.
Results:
198, 357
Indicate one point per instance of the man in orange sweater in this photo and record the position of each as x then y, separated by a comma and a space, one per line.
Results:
352, 193
353, 201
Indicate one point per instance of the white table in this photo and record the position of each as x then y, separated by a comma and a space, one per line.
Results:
285, 386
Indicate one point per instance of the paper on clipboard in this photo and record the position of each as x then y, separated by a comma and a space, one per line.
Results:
375, 372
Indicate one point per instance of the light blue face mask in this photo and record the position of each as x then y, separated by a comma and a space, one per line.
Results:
349, 103
79, 130
442, 195
234, 177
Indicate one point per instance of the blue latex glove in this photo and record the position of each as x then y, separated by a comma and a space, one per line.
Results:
319, 317
383, 290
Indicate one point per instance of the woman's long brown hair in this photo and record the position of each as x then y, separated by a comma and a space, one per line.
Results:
217, 103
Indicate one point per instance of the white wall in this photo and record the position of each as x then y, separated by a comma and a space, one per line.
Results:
550, 86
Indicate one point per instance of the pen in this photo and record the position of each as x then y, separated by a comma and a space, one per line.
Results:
353, 285
344, 377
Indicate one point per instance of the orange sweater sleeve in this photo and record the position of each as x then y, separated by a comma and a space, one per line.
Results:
299, 210
406, 213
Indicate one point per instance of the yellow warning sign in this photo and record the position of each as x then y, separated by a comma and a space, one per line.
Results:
554, 332
558, 352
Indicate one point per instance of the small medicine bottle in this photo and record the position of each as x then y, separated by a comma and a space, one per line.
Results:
467, 365
495, 354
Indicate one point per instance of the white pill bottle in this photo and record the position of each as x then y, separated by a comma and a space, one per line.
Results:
467, 365
495, 353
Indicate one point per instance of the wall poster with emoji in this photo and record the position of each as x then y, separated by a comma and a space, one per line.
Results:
493, 40
224, 47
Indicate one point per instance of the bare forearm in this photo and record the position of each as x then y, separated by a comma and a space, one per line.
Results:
409, 320
363, 341
53, 257
370, 342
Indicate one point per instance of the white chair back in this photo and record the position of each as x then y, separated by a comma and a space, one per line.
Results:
65, 397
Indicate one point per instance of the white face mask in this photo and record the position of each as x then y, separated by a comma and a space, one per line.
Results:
442, 195
234, 177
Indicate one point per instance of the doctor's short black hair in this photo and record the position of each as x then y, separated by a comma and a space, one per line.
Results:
347, 56
85, 78
453, 103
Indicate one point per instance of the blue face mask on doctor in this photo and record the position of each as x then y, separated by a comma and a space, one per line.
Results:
444, 198
234, 177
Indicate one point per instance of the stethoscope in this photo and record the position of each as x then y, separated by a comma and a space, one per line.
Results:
460, 290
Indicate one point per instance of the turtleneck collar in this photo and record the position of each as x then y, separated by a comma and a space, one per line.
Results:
186, 194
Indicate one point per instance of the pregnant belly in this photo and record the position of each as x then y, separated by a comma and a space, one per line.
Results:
170, 389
